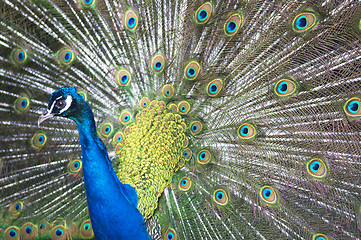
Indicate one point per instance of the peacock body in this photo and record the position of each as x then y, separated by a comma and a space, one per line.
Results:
193, 119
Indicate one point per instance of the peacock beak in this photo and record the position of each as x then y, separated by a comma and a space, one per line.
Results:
45, 116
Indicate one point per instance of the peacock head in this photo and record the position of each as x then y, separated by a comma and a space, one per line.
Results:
65, 102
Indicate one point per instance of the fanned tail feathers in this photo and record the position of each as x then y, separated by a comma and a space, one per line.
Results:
263, 98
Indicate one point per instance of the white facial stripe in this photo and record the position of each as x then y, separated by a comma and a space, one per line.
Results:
52, 106
68, 102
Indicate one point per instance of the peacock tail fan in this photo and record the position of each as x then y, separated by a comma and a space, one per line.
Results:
231, 119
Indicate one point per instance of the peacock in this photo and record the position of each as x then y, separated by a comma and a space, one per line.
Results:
178, 119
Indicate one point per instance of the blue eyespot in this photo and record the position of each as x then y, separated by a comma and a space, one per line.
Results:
182, 109
220, 196
194, 128
353, 106
21, 56
282, 87
107, 129
131, 22
124, 79
158, 66
170, 236
320, 238
126, 118
67, 57
59, 232
202, 15
267, 193
202, 155
244, 130
24, 103
12, 233
315, 165
301, 22
87, 226
88, 2
76, 165
231, 26
17, 207
184, 182
28, 230
167, 92
185, 154
145, 104
41, 139
42, 226
213, 88
191, 72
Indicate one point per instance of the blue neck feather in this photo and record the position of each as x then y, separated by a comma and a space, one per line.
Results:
112, 205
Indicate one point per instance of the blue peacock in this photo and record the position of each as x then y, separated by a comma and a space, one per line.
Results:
180, 119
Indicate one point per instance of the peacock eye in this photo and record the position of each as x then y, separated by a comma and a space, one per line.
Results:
60, 104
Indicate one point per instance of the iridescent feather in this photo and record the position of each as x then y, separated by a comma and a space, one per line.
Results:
231, 119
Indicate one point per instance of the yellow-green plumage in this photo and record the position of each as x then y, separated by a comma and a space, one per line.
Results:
231, 119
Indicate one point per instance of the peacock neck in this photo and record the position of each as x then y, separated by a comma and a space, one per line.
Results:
111, 204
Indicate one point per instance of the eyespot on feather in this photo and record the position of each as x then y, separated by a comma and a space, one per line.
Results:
204, 157
87, 3
28, 231
233, 24
22, 104
158, 63
183, 107
125, 117
38, 140
16, 208
168, 91
214, 87
187, 154
181, 162
185, 184
247, 131
144, 102
44, 228
203, 13
195, 127
352, 107
170, 234
220, 197
268, 195
319, 236
74, 166
130, 20
12, 233
118, 137
65, 56
19, 56
58, 233
118, 148
286, 88
86, 230
106, 129
192, 70
317, 168
173, 107
123, 77
304, 22
57, 222
83, 95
